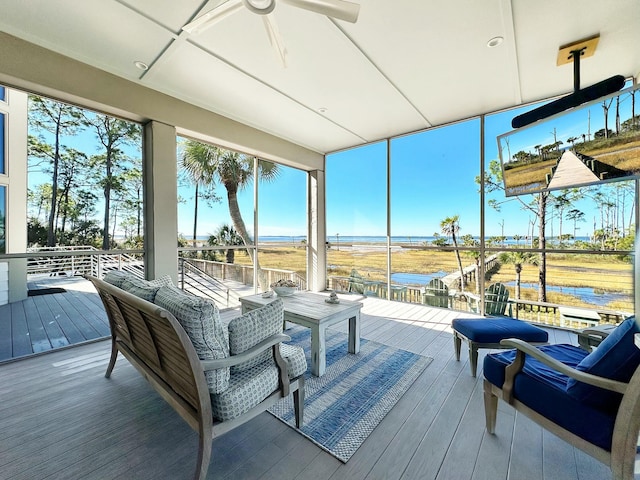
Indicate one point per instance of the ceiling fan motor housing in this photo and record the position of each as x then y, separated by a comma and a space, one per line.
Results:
261, 7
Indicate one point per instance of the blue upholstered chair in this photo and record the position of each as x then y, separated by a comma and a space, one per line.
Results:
489, 332
591, 400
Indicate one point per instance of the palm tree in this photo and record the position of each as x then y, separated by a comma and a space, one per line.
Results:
197, 163
235, 171
518, 259
469, 241
451, 226
226, 235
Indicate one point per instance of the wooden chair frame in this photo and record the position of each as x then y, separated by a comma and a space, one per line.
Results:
155, 343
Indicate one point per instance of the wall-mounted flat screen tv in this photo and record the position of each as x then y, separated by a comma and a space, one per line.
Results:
593, 143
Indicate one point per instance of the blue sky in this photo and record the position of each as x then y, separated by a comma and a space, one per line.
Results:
432, 177
586, 119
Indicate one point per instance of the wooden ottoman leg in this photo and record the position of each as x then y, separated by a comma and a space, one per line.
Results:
473, 357
457, 344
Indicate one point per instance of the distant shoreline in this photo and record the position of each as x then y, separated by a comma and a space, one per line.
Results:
357, 240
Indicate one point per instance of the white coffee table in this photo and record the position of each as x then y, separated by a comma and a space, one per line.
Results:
310, 310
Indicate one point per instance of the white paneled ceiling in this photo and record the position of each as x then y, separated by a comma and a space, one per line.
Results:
405, 65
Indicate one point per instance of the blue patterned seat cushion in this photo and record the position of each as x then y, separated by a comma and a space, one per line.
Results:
253, 327
249, 387
543, 389
200, 319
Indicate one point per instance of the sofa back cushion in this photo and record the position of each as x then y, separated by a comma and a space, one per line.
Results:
251, 328
616, 358
200, 319
145, 289
116, 277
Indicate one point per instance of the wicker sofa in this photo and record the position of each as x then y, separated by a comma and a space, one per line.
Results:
215, 376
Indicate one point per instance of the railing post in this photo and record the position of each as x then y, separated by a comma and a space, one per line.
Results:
181, 260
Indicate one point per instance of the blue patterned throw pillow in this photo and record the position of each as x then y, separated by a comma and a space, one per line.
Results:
253, 327
200, 319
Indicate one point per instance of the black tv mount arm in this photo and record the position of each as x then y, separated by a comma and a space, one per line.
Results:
578, 97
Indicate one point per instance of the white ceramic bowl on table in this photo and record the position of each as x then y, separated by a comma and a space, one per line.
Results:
284, 291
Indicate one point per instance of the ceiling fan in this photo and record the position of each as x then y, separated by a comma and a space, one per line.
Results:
340, 9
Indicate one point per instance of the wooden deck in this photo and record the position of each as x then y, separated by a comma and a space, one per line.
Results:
61, 419
55, 320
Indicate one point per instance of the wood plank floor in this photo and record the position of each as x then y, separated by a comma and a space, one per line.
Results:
45, 322
61, 419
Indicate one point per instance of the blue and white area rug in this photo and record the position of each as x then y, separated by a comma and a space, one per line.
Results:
342, 407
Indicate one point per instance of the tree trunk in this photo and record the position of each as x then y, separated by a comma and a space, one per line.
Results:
605, 107
107, 200
618, 115
542, 266
139, 212
195, 215
455, 244
51, 233
238, 224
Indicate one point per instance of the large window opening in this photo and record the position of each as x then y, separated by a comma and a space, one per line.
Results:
226, 250
84, 190
569, 248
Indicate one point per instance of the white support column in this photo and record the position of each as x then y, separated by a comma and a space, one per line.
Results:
160, 200
17, 192
317, 232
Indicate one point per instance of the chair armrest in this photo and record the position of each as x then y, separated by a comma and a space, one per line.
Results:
473, 301
524, 347
601, 331
254, 351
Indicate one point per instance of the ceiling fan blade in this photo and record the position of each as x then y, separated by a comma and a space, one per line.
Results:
275, 38
340, 9
213, 16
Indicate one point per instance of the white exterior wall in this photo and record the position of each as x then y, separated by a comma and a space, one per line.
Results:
13, 273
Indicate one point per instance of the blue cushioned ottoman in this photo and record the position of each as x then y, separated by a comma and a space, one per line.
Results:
488, 332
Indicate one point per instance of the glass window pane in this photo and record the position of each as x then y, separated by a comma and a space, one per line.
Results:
205, 204
216, 185
282, 224
2, 94
434, 202
356, 200
2, 143
97, 169
3, 220
598, 219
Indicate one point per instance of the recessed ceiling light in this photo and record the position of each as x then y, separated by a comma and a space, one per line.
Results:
141, 65
322, 110
495, 41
